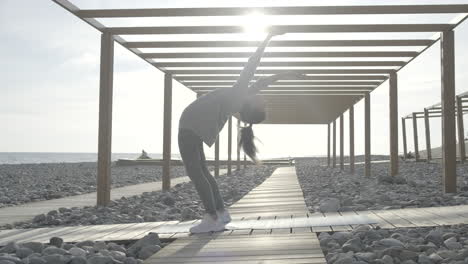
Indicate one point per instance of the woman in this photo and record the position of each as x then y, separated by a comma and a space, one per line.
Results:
202, 121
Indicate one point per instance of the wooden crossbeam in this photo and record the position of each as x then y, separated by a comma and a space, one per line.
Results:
310, 77
293, 10
300, 93
279, 43
283, 83
313, 54
276, 71
218, 64
296, 88
347, 28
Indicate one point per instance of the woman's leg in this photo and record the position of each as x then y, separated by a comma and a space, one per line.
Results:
213, 184
189, 146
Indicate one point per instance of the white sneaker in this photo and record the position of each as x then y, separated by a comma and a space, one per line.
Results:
224, 215
208, 224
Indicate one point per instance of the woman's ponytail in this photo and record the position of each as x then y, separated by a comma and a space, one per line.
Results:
247, 142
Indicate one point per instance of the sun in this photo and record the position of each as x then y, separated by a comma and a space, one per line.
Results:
255, 23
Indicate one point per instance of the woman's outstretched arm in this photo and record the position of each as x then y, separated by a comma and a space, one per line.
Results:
249, 70
266, 81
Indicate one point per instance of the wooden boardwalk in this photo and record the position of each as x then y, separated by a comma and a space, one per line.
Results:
28, 211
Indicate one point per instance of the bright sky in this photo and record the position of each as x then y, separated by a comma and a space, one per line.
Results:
50, 83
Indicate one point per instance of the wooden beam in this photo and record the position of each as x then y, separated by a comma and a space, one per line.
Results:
341, 142
415, 137
403, 130
449, 173
229, 163
345, 28
305, 93
461, 130
428, 135
334, 144
280, 54
279, 43
309, 77
393, 124
367, 136
310, 83
328, 145
283, 10
276, 71
239, 64
351, 139
105, 120
237, 144
167, 130
296, 88
245, 156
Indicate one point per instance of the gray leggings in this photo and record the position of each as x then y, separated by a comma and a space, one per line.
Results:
191, 151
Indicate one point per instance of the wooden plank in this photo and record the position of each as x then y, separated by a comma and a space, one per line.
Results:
297, 84
167, 128
218, 64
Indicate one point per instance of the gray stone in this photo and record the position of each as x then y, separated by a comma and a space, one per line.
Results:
392, 251
342, 237
55, 259
53, 250
391, 242
354, 245
12, 259
365, 256
387, 259
100, 260
408, 255
118, 255
435, 236
435, 257
149, 240
130, 260
423, 259
85, 243
36, 260
345, 260
9, 248
329, 205
24, 252
408, 262
78, 260
6, 262
148, 251
100, 245
56, 241
452, 243
34, 246
39, 218
76, 251
115, 247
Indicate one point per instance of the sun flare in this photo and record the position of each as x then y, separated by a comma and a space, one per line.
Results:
255, 23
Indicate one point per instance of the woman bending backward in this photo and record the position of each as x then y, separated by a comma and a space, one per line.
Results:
201, 123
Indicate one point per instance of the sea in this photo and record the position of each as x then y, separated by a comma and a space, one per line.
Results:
61, 157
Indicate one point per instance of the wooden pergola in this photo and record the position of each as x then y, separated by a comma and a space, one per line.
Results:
336, 79
435, 111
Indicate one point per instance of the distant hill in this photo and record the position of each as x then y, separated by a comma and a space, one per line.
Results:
437, 152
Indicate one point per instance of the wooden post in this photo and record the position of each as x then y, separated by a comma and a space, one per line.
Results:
105, 120
393, 125
449, 157
415, 137
166, 177
341, 142
216, 169
351, 139
328, 145
461, 130
229, 165
237, 143
403, 130
245, 157
428, 135
367, 136
334, 144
